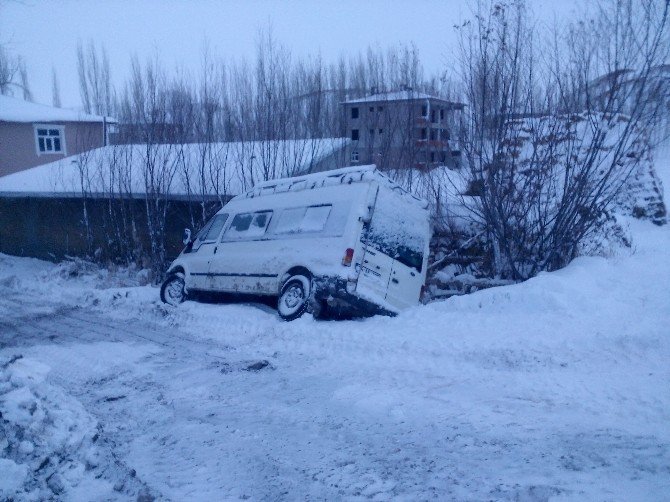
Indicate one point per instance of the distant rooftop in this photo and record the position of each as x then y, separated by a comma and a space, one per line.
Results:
18, 110
402, 96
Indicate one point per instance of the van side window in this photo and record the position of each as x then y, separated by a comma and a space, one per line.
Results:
289, 220
248, 225
303, 219
241, 222
315, 218
212, 230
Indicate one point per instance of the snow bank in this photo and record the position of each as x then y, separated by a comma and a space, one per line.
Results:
48, 441
555, 388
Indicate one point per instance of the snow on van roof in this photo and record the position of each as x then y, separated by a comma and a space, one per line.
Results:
18, 110
342, 176
177, 170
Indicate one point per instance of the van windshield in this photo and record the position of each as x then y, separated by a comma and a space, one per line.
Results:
212, 229
398, 229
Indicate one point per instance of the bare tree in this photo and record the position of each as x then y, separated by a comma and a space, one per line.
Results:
13, 75
94, 79
55, 89
547, 157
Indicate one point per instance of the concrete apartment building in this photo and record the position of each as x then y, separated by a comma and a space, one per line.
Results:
32, 134
402, 129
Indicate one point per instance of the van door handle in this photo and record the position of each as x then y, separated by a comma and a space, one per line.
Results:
394, 281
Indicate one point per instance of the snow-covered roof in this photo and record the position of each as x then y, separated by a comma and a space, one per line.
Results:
182, 171
18, 110
400, 96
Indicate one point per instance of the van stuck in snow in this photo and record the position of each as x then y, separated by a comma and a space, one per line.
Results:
349, 241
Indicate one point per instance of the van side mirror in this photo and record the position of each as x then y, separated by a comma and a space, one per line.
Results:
187, 236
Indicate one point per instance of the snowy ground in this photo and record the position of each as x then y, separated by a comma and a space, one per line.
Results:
555, 389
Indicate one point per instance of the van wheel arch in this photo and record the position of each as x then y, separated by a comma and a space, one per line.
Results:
298, 270
177, 270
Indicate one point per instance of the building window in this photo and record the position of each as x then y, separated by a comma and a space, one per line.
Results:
372, 133
424, 133
381, 131
354, 156
432, 156
380, 109
424, 111
441, 113
354, 112
433, 134
354, 135
371, 109
432, 116
49, 139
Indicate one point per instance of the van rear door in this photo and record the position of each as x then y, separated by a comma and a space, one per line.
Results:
375, 274
394, 241
404, 289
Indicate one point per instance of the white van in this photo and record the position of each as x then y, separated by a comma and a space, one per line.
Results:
350, 240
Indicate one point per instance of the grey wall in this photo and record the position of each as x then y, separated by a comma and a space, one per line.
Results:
52, 228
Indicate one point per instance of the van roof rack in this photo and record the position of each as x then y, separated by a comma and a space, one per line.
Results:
342, 176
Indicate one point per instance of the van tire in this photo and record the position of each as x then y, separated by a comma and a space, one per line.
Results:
294, 297
172, 289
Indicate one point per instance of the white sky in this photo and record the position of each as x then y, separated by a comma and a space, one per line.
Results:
46, 32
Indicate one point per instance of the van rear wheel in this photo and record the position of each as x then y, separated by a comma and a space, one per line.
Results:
294, 297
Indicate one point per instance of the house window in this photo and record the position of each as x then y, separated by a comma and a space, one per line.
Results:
49, 139
424, 111
441, 113
354, 135
424, 133
433, 134
354, 112
354, 156
380, 109
371, 109
432, 156
432, 116
381, 131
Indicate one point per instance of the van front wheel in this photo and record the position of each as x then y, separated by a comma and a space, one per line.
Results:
294, 297
172, 290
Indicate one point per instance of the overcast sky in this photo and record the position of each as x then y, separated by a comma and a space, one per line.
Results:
46, 32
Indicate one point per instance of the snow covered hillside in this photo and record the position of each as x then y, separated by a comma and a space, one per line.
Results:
554, 389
